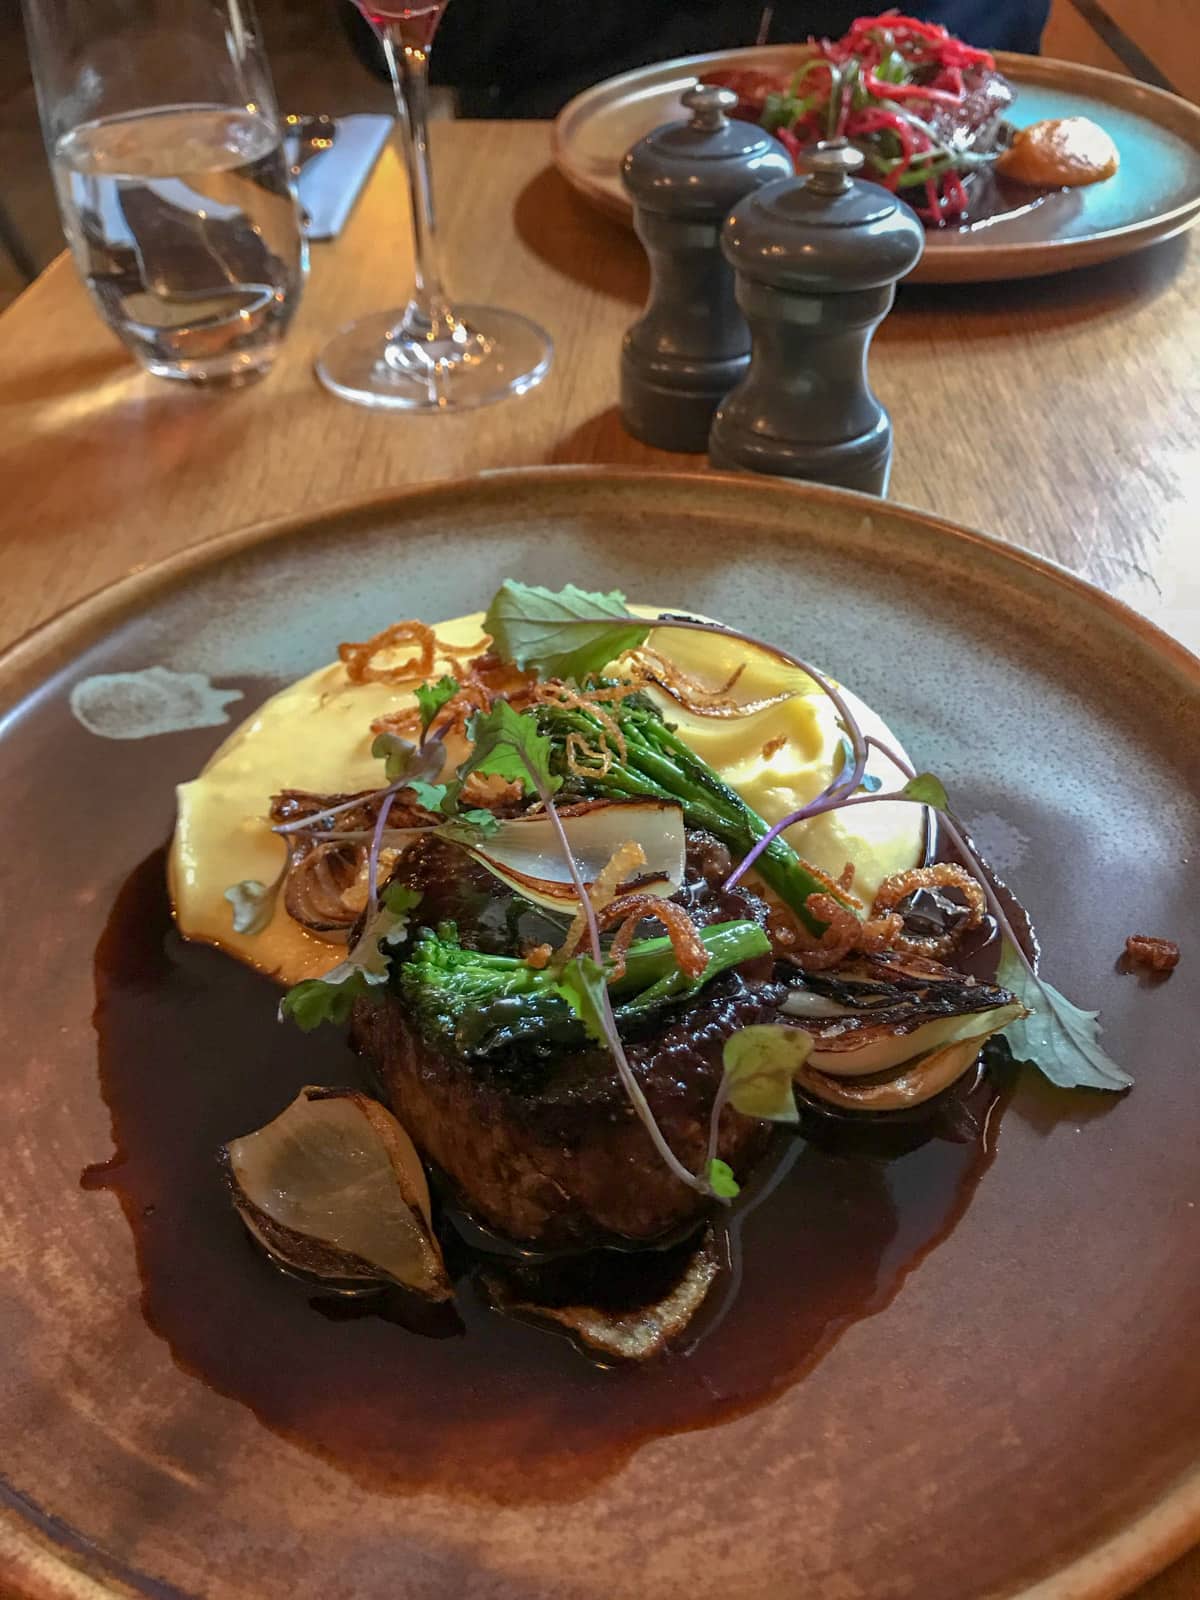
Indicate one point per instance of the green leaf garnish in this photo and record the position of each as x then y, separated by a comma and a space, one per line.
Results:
331, 998
442, 799
581, 985
928, 790
760, 1068
431, 697
564, 633
430, 796
508, 745
397, 754
722, 1181
319, 1000
1058, 1038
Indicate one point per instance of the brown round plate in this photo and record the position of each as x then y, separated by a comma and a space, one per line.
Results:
1012, 1404
1155, 195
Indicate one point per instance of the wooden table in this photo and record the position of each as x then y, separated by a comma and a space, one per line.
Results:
1063, 414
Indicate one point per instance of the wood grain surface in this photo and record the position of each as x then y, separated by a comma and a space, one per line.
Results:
1168, 31
1062, 414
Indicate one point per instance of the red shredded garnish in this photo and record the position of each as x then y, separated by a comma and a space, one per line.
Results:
893, 129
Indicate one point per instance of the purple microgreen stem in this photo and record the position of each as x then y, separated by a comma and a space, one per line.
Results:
894, 756
612, 1036
373, 855
310, 824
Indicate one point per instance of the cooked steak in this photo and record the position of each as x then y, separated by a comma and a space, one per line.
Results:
975, 122
545, 1146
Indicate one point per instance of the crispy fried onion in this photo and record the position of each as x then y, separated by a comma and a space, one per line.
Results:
653, 667
942, 875
618, 869
481, 682
845, 932
369, 662
628, 910
327, 881
491, 792
584, 758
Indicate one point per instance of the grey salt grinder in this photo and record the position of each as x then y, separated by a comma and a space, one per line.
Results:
817, 260
691, 345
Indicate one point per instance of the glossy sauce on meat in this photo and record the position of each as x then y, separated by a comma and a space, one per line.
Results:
461, 1399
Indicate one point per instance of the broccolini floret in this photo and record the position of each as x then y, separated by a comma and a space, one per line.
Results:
475, 1003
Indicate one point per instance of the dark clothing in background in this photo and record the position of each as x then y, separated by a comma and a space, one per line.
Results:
526, 58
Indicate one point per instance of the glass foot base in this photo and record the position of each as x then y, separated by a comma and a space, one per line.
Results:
486, 356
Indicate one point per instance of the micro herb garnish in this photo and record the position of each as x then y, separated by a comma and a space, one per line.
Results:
1059, 1038
403, 760
331, 998
442, 799
721, 1180
507, 745
537, 628
431, 697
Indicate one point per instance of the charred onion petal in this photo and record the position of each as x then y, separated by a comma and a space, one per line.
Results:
890, 1009
333, 1188
885, 1049
916, 1082
525, 853
636, 1334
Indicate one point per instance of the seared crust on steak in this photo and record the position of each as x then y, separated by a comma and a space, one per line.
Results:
567, 1163
545, 1146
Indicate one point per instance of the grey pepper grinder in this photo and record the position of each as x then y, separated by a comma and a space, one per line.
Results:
691, 344
817, 260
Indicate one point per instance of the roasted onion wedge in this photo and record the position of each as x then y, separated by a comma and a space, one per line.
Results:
633, 1333
917, 1079
874, 1015
913, 1084
334, 1189
884, 1033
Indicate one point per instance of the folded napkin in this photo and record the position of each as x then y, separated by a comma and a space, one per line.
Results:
331, 180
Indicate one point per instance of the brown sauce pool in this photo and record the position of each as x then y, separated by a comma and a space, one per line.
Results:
993, 199
464, 1400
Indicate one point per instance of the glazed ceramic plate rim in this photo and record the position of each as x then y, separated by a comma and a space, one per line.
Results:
944, 261
38, 1544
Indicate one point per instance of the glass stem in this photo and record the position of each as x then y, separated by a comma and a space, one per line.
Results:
428, 314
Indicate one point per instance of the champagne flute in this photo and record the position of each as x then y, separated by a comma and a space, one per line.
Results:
431, 355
